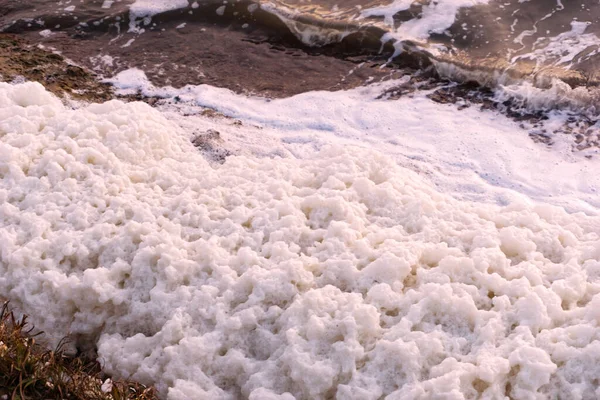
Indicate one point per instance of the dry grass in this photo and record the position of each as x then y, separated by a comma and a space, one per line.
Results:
28, 371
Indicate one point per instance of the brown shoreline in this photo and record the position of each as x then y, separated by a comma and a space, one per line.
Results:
22, 60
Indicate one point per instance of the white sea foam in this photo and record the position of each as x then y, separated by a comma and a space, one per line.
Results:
46, 33
538, 92
437, 16
144, 10
338, 275
471, 154
563, 49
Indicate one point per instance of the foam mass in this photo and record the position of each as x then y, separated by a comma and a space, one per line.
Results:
341, 276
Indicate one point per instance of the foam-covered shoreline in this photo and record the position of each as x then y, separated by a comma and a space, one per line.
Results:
341, 274
488, 42
472, 154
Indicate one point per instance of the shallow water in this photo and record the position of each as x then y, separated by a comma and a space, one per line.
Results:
538, 36
318, 43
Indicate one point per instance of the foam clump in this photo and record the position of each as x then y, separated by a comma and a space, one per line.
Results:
340, 276
148, 8
142, 11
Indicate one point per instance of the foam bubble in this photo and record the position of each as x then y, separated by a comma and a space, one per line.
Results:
341, 274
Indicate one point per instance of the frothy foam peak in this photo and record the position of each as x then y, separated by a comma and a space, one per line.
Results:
342, 273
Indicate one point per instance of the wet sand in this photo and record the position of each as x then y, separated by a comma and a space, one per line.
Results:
22, 60
234, 53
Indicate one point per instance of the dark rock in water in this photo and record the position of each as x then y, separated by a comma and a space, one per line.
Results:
211, 144
541, 137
